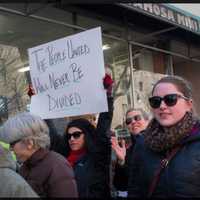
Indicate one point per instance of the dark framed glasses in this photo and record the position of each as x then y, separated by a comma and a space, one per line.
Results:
136, 118
170, 100
75, 135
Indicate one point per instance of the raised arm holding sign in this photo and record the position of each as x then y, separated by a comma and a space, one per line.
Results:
67, 76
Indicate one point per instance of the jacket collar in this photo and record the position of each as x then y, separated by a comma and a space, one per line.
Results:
194, 135
81, 160
36, 157
134, 137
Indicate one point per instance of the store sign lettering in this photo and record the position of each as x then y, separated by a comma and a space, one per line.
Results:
168, 14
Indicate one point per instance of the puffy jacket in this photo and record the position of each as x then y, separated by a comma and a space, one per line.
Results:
49, 174
179, 179
12, 185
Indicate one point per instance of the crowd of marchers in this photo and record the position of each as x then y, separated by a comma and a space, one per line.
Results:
160, 159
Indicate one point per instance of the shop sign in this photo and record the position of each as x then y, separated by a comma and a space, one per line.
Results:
166, 13
67, 75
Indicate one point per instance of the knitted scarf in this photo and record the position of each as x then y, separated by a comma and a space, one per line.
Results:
159, 138
74, 156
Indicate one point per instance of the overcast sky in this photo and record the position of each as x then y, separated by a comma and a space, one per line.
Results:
193, 8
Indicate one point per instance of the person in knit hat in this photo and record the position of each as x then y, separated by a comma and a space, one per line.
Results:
28, 136
88, 150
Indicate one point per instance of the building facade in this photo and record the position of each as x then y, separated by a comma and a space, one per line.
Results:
141, 43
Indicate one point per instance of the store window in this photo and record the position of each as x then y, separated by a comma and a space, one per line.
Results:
107, 28
117, 63
18, 33
148, 67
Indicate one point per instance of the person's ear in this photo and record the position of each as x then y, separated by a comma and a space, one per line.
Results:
146, 122
30, 144
190, 105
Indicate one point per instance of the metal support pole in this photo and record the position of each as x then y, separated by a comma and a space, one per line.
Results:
171, 64
131, 75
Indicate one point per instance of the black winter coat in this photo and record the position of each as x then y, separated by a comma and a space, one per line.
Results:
92, 170
121, 173
181, 177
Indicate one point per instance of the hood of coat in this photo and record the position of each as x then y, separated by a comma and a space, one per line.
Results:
6, 159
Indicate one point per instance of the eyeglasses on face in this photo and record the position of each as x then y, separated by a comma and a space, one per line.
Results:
12, 144
136, 118
170, 100
75, 135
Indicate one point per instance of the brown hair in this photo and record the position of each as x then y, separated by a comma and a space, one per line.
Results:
181, 84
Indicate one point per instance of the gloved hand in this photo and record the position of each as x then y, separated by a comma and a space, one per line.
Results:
31, 91
108, 82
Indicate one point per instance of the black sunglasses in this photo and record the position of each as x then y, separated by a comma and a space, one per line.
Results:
170, 100
136, 118
75, 135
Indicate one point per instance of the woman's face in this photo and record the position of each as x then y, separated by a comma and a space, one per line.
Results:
170, 115
76, 138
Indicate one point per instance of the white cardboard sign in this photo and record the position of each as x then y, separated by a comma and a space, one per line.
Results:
67, 75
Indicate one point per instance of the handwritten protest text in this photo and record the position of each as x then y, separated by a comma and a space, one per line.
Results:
64, 101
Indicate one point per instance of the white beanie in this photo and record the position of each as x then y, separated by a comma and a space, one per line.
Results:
24, 125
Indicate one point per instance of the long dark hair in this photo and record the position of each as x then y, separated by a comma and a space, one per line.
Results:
88, 129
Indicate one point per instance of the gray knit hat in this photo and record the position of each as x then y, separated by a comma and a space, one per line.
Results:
25, 125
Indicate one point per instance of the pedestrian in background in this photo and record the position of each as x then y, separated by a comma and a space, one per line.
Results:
166, 158
88, 150
48, 173
12, 185
136, 122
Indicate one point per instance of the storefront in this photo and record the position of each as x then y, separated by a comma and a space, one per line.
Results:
141, 42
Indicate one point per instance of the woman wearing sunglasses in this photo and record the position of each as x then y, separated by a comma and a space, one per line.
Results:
166, 161
88, 150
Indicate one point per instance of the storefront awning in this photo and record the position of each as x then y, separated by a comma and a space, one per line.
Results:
167, 13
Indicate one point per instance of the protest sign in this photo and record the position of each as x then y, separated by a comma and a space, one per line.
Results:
67, 76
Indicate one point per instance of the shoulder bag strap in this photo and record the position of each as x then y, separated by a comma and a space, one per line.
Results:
163, 164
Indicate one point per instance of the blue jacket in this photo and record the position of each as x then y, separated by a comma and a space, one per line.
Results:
181, 177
